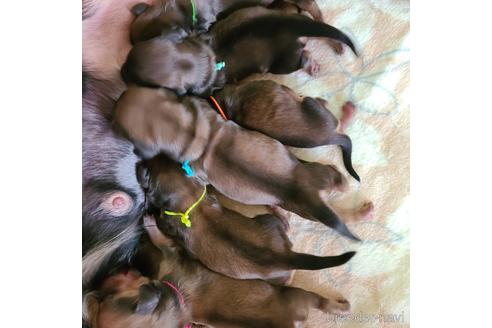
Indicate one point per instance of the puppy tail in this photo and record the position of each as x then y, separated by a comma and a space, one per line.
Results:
333, 221
311, 178
345, 144
319, 29
296, 25
313, 262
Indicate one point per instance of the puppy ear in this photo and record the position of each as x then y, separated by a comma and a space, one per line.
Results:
155, 234
139, 8
149, 298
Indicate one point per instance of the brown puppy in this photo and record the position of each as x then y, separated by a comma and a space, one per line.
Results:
186, 65
278, 112
260, 40
226, 241
187, 292
176, 16
189, 65
244, 165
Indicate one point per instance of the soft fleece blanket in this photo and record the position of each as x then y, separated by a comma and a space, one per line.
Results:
376, 280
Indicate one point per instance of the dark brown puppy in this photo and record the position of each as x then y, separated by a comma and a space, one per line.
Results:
187, 292
244, 165
260, 40
175, 17
278, 112
223, 240
186, 65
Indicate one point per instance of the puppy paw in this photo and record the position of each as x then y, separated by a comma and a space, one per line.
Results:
341, 305
348, 112
282, 215
335, 305
366, 211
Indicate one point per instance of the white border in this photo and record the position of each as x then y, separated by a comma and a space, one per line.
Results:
40, 133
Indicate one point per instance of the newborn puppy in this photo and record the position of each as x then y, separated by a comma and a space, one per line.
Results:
277, 111
176, 16
190, 65
184, 66
246, 41
186, 292
244, 165
225, 241
260, 40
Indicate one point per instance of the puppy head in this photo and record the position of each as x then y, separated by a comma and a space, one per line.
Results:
161, 19
187, 65
207, 77
166, 182
131, 300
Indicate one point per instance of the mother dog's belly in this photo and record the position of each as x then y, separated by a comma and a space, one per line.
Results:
106, 35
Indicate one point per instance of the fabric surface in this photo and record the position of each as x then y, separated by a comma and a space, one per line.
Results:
376, 280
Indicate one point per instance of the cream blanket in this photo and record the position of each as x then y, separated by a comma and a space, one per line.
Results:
376, 280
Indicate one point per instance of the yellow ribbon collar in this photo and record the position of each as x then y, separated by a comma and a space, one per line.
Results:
185, 217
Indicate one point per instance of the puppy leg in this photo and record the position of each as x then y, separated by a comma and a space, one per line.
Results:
291, 59
300, 301
283, 279
275, 225
282, 215
312, 180
334, 304
364, 211
156, 236
348, 112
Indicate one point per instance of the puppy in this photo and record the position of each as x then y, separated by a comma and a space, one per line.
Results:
225, 241
247, 42
277, 111
175, 17
186, 292
260, 40
186, 65
244, 165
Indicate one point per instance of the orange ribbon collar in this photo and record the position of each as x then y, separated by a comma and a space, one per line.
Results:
219, 109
